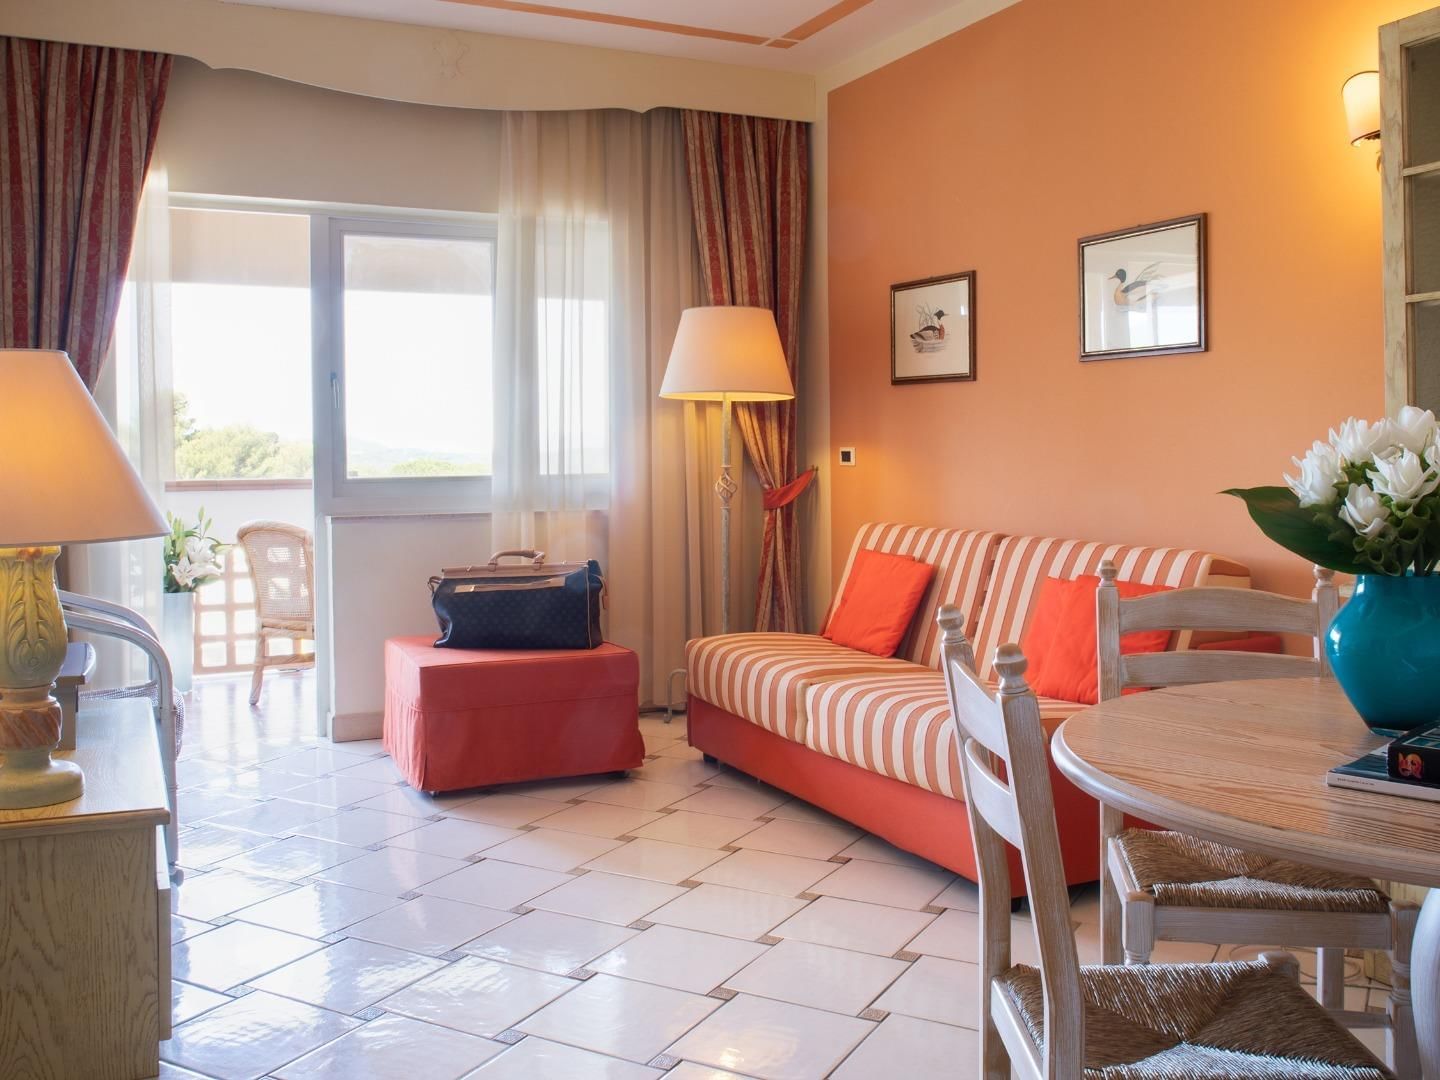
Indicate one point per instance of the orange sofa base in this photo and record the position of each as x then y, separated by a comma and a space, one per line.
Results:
465, 718
932, 826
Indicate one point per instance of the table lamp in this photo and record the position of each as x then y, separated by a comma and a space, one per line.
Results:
727, 354
63, 480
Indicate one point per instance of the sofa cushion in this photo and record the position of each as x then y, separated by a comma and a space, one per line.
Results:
1023, 562
762, 677
898, 726
961, 558
880, 602
1061, 641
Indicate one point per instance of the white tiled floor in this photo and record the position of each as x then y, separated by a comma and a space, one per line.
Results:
686, 922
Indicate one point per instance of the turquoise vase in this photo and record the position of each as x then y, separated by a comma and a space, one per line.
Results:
1384, 647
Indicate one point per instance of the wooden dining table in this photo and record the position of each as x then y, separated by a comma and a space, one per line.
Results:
1244, 763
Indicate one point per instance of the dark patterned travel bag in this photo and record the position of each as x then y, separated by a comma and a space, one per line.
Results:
534, 606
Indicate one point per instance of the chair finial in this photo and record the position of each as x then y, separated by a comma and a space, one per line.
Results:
1010, 662
1323, 575
1108, 574
952, 624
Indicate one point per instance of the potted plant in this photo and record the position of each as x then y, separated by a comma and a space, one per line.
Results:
192, 559
1367, 502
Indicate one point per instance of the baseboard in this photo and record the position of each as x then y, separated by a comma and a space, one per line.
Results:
353, 727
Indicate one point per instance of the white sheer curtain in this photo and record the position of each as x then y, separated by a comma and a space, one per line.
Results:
596, 260
134, 394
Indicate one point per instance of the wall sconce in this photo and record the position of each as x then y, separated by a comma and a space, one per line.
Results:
1362, 106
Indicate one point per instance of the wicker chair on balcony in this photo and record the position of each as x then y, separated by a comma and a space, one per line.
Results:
282, 566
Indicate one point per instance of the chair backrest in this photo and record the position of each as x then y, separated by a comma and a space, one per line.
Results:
1208, 608
1013, 804
1022, 563
282, 566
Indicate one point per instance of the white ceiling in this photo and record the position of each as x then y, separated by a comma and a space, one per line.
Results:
851, 25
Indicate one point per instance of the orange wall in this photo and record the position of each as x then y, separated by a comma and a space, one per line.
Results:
994, 150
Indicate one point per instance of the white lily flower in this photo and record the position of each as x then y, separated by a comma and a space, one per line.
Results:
1320, 471
1364, 512
1358, 441
1404, 477
197, 548
183, 572
1413, 428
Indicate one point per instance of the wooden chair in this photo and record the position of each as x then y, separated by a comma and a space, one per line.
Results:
1063, 1021
282, 567
1166, 886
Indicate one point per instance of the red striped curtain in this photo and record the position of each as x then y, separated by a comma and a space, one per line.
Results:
749, 180
78, 124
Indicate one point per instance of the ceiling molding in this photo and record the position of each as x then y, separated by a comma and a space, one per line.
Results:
912, 39
418, 64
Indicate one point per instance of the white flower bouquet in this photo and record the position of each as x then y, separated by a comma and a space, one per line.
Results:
1366, 502
192, 555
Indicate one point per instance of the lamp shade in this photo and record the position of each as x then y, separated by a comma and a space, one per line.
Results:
1362, 106
732, 352
63, 477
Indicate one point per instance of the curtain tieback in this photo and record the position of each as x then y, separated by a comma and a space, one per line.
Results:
785, 494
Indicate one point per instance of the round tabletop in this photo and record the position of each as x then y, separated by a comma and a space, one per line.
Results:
1244, 764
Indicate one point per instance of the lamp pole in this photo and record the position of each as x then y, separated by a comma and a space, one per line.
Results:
725, 488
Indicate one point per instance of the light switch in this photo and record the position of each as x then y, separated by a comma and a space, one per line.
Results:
847, 455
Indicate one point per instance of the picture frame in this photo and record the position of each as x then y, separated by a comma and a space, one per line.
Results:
932, 329
1142, 290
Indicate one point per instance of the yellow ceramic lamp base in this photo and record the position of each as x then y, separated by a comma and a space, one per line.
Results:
32, 650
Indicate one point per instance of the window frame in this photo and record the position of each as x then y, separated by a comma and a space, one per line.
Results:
337, 494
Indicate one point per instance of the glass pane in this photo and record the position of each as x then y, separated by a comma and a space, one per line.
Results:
244, 590
1424, 233
245, 622
240, 349
211, 594
245, 652
418, 315
212, 654
1425, 341
212, 623
1422, 103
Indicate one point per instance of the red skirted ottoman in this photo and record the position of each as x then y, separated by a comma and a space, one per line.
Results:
463, 718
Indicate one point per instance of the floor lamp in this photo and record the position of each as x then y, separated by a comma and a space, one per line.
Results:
727, 354
63, 480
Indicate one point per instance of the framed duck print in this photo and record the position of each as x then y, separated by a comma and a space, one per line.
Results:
1142, 290
932, 329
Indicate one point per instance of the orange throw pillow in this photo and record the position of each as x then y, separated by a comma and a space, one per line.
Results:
879, 601
1060, 641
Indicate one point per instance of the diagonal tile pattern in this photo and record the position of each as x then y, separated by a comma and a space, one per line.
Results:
686, 922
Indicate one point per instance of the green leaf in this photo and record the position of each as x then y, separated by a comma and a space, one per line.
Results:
1280, 516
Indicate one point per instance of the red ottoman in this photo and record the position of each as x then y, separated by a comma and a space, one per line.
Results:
463, 718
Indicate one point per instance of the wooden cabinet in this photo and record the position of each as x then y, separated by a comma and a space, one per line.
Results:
1410, 160
84, 920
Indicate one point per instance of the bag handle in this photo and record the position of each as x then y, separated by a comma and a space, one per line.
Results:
537, 558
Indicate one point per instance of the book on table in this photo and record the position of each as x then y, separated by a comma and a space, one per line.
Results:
1415, 756
1372, 773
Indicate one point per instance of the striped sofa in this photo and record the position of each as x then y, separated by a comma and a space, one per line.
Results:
869, 738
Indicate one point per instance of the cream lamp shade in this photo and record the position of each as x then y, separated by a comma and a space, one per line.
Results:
732, 352
63, 477
1362, 106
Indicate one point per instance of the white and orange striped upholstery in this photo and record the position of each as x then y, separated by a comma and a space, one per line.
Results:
898, 726
763, 677
1022, 563
961, 558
